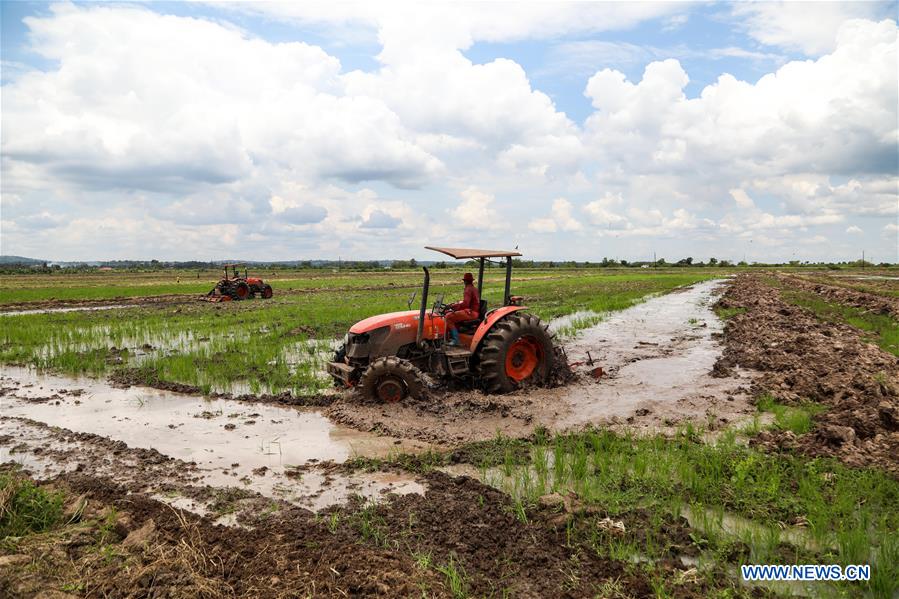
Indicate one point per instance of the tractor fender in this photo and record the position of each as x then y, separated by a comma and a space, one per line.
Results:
488, 323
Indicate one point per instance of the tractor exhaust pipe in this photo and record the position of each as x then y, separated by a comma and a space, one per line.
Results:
424, 306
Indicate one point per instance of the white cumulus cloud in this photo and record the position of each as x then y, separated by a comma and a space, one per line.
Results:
810, 27
476, 211
561, 218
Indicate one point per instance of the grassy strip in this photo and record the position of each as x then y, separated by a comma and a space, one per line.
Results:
887, 287
273, 346
851, 515
880, 328
75, 288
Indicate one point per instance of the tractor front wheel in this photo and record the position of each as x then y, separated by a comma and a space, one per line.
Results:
391, 380
267, 292
518, 350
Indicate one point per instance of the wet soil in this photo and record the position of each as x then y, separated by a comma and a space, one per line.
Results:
395, 549
71, 305
155, 441
129, 377
156, 551
801, 358
657, 360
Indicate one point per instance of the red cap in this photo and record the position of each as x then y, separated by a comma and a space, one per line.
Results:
467, 277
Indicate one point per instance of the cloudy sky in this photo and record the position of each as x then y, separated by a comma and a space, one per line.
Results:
575, 131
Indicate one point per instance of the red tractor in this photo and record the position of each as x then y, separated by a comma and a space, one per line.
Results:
385, 355
234, 286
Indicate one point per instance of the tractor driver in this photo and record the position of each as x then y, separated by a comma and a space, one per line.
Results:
467, 309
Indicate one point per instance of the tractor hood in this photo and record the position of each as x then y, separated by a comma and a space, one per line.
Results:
406, 317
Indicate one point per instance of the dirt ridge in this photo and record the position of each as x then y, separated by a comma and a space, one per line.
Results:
871, 302
800, 358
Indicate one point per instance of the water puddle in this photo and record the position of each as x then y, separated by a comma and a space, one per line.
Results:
657, 359
72, 309
752, 533
873, 278
253, 446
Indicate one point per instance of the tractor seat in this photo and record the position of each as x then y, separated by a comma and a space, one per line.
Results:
470, 326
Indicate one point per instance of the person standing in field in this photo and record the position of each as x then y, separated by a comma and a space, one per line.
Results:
466, 309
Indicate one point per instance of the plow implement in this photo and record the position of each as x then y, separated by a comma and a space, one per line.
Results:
212, 296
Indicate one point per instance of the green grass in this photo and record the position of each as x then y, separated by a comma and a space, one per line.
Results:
726, 313
455, 578
281, 344
26, 508
797, 419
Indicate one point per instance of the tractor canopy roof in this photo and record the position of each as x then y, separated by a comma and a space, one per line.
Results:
467, 253
235, 264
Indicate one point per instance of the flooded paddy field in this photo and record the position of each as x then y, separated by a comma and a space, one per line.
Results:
198, 450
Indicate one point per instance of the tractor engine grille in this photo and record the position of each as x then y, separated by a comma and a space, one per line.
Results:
358, 348
358, 339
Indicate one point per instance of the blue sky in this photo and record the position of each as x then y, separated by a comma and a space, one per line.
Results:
284, 131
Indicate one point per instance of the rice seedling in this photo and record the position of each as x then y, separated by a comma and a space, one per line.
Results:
455, 578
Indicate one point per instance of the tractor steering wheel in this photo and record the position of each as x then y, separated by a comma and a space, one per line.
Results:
439, 307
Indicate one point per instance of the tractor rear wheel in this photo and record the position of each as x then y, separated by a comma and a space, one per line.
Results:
241, 291
267, 292
391, 380
517, 351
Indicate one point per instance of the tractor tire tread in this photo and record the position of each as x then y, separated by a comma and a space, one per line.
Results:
403, 369
491, 357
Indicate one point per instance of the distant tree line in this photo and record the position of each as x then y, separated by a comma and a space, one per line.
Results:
412, 264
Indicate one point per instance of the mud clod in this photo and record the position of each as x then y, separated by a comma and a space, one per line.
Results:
7, 561
140, 537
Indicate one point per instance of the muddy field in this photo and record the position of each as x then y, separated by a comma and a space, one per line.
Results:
166, 493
